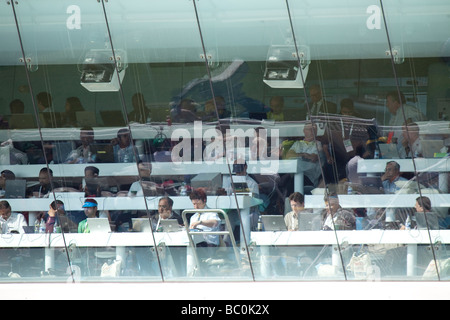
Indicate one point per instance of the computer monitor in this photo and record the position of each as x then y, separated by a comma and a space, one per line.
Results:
210, 181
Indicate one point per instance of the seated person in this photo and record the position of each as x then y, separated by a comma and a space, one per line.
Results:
124, 150
335, 217
11, 222
140, 111
309, 150
204, 221
144, 170
297, 202
411, 144
83, 153
90, 210
390, 177
348, 109
52, 219
5, 175
240, 170
184, 112
165, 212
276, 109
45, 186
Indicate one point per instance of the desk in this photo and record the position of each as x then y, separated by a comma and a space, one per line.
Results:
51, 241
440, 165
322, 238
379, 200
149, 131
244, 203
164, 169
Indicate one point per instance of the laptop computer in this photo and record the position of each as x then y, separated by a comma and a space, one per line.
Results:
273, 223
112, 118
141, 225
15, 188
371, 185
104, 152
28, 229
98, 225
389, 151
432, 218
22, 121
240, 184
309, 222
430, 147
170, 225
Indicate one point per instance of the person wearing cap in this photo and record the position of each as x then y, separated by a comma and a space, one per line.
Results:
90, 207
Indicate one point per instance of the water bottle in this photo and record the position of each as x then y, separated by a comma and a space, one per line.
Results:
260, 224
56, 228
36, 226
42, 226
349, 189
183, 189
376, 154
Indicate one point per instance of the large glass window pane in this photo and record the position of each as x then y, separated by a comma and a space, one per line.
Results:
161, 61
419, 57
89, 162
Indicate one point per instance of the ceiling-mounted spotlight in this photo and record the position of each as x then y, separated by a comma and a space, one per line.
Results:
284, 67
98, 70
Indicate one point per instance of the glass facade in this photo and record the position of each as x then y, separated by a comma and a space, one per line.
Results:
224, 140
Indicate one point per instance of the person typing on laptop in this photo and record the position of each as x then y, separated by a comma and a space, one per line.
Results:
297, 202
90, 207
164, 213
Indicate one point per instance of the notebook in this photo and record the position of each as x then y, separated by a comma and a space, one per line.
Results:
170, 225
141, 225
371, 185
15, 188
309, 222
389, 151
98, 225
273, 223
432, 218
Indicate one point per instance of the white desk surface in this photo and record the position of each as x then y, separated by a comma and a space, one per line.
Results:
406, 165
158, 168
145, 131
113, 239
268, 238
379, 200
130, 203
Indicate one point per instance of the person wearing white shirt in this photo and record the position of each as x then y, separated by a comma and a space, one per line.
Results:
204, 221
412, 145
11, 222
